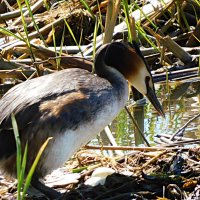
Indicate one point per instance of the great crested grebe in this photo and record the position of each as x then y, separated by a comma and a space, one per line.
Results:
72, 106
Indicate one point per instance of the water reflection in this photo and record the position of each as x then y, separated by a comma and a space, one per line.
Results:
181, 102
138, 114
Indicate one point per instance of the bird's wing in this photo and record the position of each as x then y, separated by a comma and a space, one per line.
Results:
33, 91
63, 95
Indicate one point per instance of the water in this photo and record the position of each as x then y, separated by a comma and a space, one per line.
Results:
180, 101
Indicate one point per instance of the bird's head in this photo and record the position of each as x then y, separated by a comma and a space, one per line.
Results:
128, 59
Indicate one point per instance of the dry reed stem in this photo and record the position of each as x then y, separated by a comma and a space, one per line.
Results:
177, 50
152, 160
111, 17
66, 61
34, 8
130, 148
183, 127
20, 74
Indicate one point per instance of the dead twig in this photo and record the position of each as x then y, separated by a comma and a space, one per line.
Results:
129, 148
194, 38
176, 74
141, 133
182, 129
193, 141
11, 15
20, 74
66, 61
177, 50
152, 160
34, 8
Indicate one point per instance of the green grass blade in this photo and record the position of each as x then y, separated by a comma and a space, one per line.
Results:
143, 33
19, 155
146, 16
26, 33
96, 27
126, 12
9, 33
88, 8
61, 47
196, 38
100, 17
195, 13
54, 44
23, 166
33, 167
72, 34
197, 2
34, 23
181, 14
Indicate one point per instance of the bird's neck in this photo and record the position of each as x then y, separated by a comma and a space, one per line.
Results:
111, 74
104, 71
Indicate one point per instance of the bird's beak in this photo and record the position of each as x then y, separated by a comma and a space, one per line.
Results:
151, 95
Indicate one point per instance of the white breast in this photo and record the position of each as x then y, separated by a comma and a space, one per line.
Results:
67, 143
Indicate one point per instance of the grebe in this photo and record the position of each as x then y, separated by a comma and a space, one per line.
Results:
72, 106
